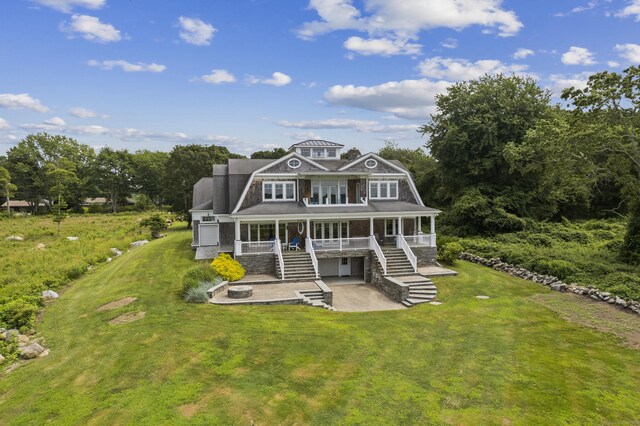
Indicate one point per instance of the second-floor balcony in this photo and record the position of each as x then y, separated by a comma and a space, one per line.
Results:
334, 201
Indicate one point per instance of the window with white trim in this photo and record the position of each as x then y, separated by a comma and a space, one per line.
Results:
390, 227
294, 163
370, 163
383, 190
317, 152
278, 191
328, 192
331, 152
305, 152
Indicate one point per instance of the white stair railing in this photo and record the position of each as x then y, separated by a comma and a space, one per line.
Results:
314, 260
373, 245
402, 243
278, 249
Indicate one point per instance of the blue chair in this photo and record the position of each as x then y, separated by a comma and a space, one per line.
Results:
294, 244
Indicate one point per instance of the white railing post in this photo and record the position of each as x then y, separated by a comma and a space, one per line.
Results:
237, 249
278, 249
311, 251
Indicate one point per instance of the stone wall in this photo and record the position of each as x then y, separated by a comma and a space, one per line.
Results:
554, 283
264, 263
426, 255
393, 288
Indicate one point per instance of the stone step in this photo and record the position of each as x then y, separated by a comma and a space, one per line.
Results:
417, 301
421, 286
423, 293
428, 297
408, 269
417, 280
407, 303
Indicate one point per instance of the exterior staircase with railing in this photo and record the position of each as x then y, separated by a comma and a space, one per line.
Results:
421, 290
397, 262
297, 266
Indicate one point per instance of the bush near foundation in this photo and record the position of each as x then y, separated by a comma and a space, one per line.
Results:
449, 252
227, 267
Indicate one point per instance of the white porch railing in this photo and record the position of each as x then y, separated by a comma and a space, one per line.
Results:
278, 250
314, 260
339, 244
425, 240
255, 247
373, 245
402, 243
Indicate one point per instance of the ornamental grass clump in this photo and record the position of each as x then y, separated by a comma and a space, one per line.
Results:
198, 294
196, 275
227, 267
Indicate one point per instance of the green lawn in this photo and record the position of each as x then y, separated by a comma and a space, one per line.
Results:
506, 360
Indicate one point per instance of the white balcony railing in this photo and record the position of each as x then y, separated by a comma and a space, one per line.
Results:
256, 247
340, 244
425, 240
363, 202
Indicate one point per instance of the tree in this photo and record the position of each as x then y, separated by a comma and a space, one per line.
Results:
610, 105
155, 223
274, 154
6, 187
27, 162
148, 174
61, 176
113, 175
187, 164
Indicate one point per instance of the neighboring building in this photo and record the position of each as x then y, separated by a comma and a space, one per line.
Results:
311, 214
19, 206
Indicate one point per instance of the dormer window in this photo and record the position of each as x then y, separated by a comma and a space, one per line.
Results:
305, 152
383, 190
331, 152
294, 163
278, 191
318, 152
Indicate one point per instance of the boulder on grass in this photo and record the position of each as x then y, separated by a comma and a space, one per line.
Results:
116, 252
49, 295
139, 243
30, 351
40, 246
14, 238
72, 238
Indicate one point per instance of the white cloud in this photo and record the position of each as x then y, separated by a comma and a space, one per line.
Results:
302, 136
4, 124
277, 79
461, 69
578, 56
408, 17
558, 82
629, 51
522, 53
55, 121
217, 77
21, 100
613, 64
579, 9
381, 46
67, 6
195, 31
407, 98
632, 10
366, 126
449, 43
82, 112
126, 66
90, 28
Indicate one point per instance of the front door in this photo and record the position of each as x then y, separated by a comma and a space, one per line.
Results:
330, 230
345, 267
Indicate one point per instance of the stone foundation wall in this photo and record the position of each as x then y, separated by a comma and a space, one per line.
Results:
393, 288
264, 263
554, 283
426, 255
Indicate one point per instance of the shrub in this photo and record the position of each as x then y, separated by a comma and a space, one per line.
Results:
198, 294
227, 267
623, 284
18, 314
450, 252
558, 268
631, 245
197, 275
155, 223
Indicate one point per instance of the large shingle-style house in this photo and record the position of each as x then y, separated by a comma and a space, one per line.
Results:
312, 214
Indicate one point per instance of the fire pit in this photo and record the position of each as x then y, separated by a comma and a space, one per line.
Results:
240, 292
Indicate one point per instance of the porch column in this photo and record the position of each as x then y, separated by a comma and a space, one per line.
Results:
237, 243
277, 236
400, 225
433, 230
419, 231
308, 228
371, 226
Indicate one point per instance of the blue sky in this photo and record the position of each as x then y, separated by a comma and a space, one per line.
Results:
249, 75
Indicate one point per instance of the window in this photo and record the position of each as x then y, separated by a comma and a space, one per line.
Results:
318, 152
370, 163
278, 191
294, 163
331, 152
390, 227
262, 231
344, 261
208, 218
383, 190
328, 192
305, 152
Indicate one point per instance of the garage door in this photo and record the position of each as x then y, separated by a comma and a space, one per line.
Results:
209, 235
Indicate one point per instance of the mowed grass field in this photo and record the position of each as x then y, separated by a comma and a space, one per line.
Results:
504, 361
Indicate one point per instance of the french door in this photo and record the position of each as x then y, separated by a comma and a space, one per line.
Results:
330, 230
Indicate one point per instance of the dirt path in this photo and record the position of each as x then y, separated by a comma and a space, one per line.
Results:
127, 318
117, 303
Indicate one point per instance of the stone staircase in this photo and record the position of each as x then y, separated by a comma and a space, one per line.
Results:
421, 290
397, 262
315, 298
297, 266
